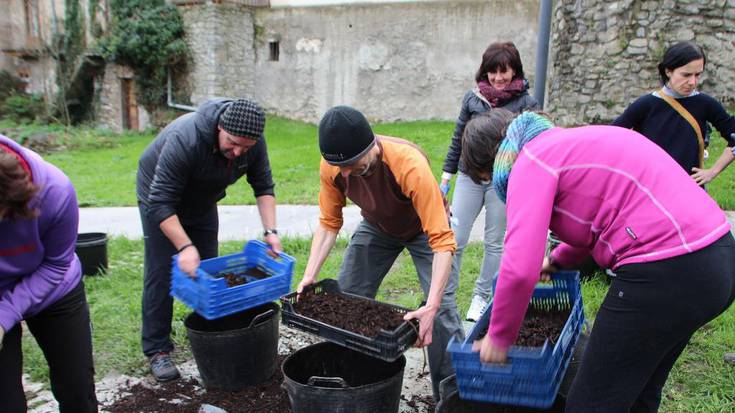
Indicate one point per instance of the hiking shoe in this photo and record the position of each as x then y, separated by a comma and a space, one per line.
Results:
476, 308
163, 368
730, 358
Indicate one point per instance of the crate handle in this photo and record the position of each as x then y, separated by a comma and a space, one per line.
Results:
332, 382
261, 316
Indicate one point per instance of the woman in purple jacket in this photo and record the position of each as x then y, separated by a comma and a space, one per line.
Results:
611, 193
41, 281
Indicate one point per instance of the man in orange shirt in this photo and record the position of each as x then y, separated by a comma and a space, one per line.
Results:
402, 208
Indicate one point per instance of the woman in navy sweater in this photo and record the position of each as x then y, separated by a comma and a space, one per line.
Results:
655, 118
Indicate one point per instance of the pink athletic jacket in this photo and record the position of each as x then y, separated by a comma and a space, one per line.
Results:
605, 191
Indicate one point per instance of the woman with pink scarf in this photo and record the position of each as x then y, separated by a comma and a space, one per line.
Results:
500, 84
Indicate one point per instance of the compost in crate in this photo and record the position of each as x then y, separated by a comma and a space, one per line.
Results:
533, 374
251, 274
350, 313
361, 324
538, 326
213, 293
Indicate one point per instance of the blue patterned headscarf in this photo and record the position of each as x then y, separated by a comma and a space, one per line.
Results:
522, 130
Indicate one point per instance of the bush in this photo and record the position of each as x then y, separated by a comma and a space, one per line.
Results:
9, 85
148, 36
22, 108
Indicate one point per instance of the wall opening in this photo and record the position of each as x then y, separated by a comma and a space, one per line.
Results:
275, 50
129, 104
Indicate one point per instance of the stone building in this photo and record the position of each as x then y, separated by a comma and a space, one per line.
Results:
393, 59
27, 28
32, 33
604, 53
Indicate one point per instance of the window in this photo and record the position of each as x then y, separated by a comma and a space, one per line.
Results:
31, 18
275, 51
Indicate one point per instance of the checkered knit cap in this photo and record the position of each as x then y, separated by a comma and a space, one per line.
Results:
243, 118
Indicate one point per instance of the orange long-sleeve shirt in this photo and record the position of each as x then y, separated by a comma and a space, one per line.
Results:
400, 196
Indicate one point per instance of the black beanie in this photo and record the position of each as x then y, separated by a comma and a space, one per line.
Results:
344, 136
243, 118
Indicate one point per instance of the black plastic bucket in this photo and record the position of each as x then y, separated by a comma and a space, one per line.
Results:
91, 248
451, 403
237, 350
326, 377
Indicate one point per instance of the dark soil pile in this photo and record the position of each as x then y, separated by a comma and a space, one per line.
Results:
539, 325
186, 396
348, 313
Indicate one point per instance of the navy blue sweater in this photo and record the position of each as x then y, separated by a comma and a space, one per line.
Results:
658, 121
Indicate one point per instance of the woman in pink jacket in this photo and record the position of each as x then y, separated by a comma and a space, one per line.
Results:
612, 193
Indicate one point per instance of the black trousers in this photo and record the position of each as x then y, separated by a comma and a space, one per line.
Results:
647, 318
63, 332
158, 304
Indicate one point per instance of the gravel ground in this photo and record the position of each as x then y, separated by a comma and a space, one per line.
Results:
416, 384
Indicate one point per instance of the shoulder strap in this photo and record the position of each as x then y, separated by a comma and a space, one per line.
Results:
689, 118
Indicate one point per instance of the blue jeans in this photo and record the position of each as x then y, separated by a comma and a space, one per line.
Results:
468, 200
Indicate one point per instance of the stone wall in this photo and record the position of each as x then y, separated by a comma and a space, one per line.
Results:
605, 53
401, 61
220, 36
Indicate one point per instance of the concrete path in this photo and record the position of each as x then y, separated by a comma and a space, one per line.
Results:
235, 222
243, 222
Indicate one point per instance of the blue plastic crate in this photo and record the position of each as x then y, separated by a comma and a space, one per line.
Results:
208, 294
532, 375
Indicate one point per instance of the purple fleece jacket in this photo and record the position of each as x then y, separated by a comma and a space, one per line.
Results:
605, 191
38, 265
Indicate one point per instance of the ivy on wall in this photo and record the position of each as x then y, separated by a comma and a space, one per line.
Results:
67, 49
148, 36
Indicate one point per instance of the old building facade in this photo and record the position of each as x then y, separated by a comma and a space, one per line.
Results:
395, 60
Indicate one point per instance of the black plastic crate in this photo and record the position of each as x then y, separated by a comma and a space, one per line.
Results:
387, 345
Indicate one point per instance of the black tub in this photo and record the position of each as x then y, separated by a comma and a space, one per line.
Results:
91, 248
237, 350
326, 377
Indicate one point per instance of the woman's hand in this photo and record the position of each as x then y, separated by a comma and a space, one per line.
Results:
703, 176
189, 260
547, 268
489, 353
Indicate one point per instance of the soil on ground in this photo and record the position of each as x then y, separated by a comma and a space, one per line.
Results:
354, 314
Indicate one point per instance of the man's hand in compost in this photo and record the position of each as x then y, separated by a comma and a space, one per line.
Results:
425, 315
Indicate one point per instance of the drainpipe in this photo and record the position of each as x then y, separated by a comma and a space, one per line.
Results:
171, 103
542, 50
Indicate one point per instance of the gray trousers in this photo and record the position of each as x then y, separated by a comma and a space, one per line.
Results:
370, 255
468, 200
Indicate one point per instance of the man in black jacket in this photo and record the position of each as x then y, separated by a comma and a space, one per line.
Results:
181, 176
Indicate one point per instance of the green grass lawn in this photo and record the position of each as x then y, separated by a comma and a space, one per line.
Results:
700, 381
102, 165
